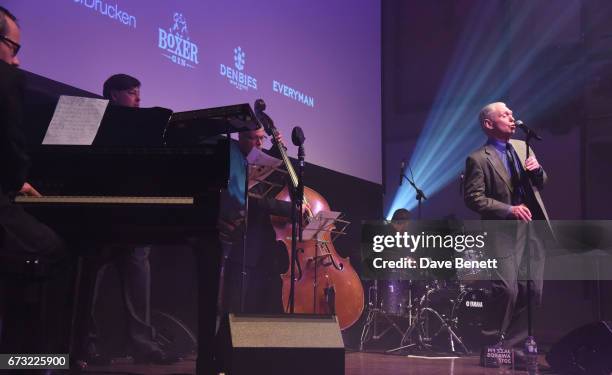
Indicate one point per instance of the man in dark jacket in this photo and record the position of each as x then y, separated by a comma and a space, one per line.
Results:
134, 268
502, 183
27, 247
251, 273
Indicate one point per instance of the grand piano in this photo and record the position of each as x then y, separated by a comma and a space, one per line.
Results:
150, 176
145, 174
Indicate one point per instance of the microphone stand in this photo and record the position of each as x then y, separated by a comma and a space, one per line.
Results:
530, 135
296, 222
243, 271
530, 339
420, 195
298, 192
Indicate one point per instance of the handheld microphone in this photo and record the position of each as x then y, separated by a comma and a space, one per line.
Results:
527, 130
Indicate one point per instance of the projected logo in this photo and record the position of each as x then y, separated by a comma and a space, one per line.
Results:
176, 44
111, 11
293, 93
239, 56
237, 77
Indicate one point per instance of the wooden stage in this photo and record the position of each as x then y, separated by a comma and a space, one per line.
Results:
357, 363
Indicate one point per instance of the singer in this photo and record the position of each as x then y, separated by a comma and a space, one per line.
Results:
502, 183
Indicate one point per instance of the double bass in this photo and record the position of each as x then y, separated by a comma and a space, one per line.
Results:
325, 283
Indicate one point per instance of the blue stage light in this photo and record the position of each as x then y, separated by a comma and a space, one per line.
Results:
451, 131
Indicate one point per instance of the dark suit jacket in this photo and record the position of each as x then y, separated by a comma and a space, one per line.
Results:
20, 234
488, 188
13, 159
262, 247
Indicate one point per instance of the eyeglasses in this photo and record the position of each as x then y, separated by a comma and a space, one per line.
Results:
12, 44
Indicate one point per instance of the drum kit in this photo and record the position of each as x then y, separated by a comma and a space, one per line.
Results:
428, 313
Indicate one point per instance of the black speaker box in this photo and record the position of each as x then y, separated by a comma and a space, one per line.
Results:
280, 344
584, 351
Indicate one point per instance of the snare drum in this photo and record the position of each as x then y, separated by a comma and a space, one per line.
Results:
395, 297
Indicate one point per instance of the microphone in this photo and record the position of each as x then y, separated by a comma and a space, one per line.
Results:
297, 136
530, 133
401, 174
260, 105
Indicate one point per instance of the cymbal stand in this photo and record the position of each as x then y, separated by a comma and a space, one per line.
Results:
374, 312
421, 327
445, 326
413, 327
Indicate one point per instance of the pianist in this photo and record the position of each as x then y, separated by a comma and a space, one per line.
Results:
23, 239
132, 263
122, 90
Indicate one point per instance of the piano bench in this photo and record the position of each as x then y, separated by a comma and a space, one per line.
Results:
25, 267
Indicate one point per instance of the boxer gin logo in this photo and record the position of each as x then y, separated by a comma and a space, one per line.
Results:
237, 77
176, 44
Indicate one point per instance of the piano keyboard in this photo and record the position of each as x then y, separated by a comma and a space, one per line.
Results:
58, 199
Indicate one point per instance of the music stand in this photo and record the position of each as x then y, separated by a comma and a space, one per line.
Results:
193, 127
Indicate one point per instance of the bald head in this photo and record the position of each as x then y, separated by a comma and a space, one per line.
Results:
497, 121
487, 110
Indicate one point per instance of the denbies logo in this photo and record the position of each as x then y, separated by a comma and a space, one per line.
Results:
112, 11
176, 43
239, 56
237, 77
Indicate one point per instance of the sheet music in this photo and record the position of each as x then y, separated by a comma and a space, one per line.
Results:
261, 165
76, 121
320, 222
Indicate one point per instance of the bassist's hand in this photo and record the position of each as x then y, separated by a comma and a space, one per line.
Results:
307, 213
29, 190
279, 138
227, 228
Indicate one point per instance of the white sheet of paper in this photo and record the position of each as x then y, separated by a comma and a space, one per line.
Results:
76, 121
261, 165
321, 221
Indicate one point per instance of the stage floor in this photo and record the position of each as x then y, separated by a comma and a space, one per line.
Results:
357, 363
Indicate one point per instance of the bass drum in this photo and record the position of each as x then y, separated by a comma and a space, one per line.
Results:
470, 313
464, 310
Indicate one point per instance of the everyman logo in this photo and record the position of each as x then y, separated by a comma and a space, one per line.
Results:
176, 43
110, 10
